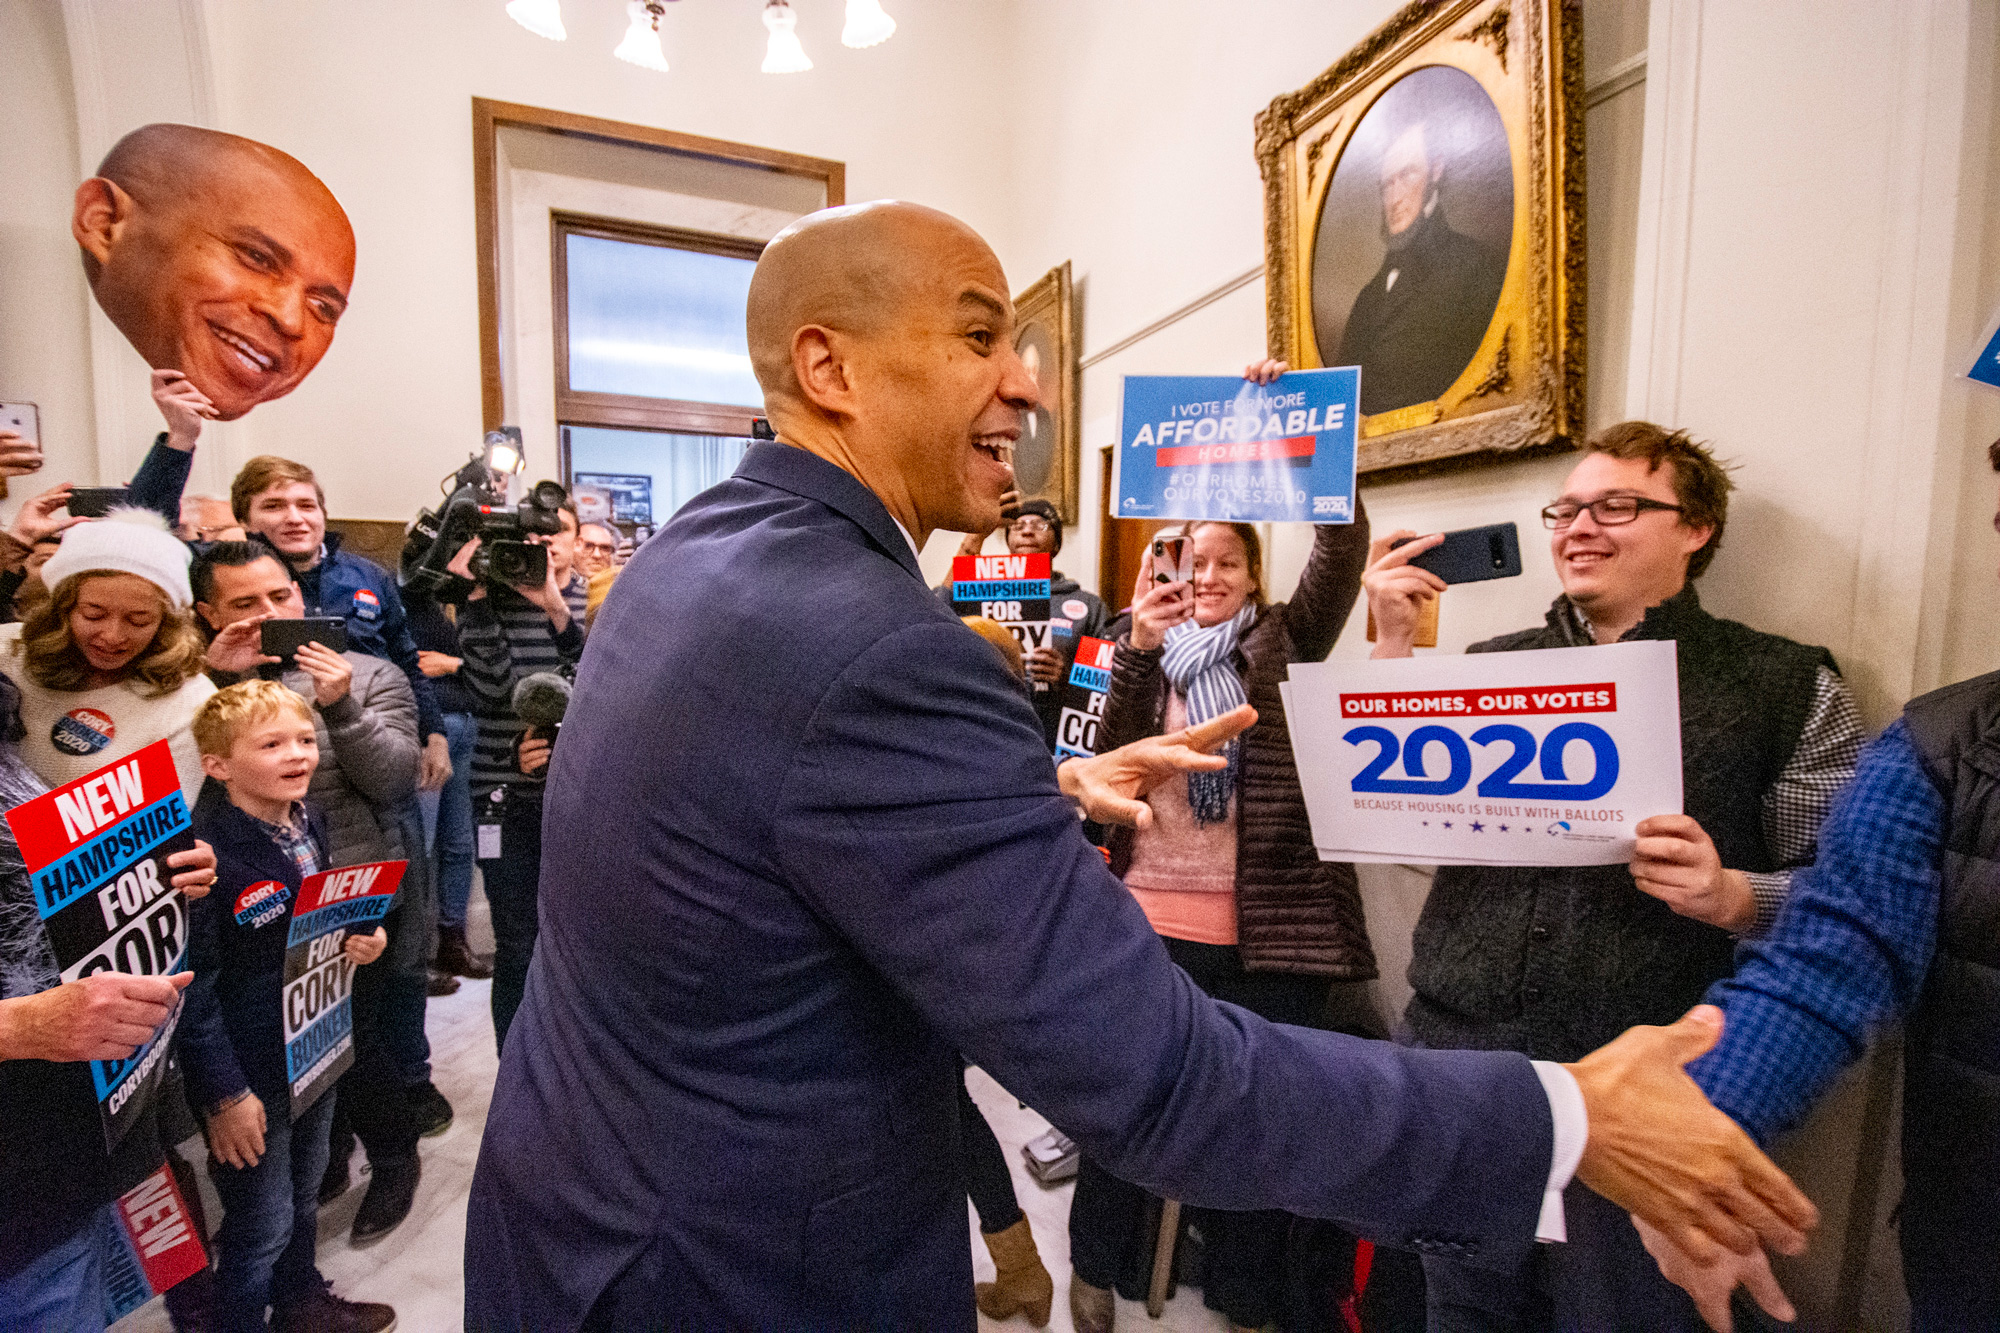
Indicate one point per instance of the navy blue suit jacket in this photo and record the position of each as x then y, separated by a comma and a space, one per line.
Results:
803, 845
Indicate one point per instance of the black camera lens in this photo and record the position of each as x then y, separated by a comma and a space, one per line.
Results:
548, 495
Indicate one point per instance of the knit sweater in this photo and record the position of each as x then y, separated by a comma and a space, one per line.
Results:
72, 733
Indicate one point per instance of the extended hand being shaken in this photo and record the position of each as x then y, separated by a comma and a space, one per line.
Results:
1658, 1149
1712, 1282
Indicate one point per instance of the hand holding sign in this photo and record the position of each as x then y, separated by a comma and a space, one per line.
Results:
183, 406
362, 950
1676, 861
104, 1016
194, 870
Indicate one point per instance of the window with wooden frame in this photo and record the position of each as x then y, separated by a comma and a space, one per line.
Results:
649, 327
614, 267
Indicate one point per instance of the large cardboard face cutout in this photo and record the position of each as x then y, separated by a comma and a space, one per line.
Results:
216, 256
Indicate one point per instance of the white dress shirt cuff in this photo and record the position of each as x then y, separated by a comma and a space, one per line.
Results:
1572, 1131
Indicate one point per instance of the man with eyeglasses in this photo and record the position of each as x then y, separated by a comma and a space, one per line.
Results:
596, 549
1550, 961
1034, 527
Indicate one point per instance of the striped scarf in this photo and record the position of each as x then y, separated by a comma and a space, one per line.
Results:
1197, 663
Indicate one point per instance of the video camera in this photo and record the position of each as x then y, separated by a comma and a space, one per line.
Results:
475, 506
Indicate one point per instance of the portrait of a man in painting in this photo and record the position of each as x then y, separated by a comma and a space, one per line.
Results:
1413, 239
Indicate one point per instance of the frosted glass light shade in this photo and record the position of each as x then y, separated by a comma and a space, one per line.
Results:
541, 17
642, 40
866, 24
784, 55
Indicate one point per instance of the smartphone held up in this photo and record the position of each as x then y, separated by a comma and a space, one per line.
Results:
1173, 559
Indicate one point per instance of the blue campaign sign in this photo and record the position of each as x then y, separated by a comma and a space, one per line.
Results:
1218, 446
1987, 368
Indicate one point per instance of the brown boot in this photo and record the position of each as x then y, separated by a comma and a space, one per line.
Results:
455, 956
1024, 1286
1091, 1309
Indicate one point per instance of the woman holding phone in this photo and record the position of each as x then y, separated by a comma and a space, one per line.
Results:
111, 661
1227, 873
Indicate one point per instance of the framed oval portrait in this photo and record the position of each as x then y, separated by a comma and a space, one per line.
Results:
1424, 219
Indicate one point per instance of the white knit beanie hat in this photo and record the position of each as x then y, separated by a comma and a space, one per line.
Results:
125, 541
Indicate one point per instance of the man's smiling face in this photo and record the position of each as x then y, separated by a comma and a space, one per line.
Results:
235, 277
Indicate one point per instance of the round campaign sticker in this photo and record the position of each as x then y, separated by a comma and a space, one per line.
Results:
1075, 609
82, 731
262, 903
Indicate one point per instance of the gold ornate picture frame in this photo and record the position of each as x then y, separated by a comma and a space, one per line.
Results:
1423, 218
1048, 462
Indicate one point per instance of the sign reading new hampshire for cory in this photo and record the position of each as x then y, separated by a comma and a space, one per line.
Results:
96, 852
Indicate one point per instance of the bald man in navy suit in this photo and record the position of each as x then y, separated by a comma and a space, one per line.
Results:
804, 846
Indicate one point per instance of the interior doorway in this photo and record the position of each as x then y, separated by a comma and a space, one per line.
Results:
1121, 543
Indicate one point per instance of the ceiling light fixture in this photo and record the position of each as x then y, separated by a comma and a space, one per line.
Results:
866, 24
541, 17
784, 55
642, 39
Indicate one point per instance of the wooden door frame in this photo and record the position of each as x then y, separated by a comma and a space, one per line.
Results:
490, 116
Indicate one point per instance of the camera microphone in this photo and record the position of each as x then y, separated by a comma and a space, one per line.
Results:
541, 698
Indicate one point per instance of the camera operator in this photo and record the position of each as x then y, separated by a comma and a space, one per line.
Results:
505, 633
366, 720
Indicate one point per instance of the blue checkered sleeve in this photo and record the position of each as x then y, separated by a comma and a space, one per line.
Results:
1848, 953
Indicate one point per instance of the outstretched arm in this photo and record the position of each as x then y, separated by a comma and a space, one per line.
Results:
970, 889
1848, 955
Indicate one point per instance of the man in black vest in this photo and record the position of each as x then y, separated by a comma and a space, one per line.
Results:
1896, 919
1550, 961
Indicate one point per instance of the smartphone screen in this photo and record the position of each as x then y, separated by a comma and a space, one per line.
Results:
1173, 560
283, 638
23, 419
97, 501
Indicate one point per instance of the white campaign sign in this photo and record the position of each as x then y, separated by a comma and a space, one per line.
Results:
1543, 758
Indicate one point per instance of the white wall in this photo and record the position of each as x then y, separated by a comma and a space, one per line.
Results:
44, 332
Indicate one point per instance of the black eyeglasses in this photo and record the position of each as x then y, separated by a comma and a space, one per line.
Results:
1609, 512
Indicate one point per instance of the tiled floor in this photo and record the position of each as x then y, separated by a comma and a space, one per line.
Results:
417, 1267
